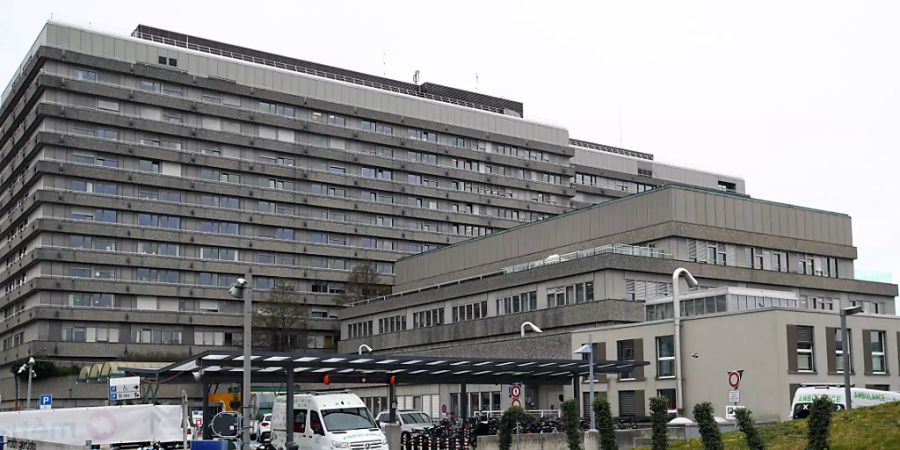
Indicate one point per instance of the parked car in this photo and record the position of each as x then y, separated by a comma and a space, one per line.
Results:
411, 421
263, 428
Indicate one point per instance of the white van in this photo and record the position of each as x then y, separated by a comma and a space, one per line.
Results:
326, 421
860, 397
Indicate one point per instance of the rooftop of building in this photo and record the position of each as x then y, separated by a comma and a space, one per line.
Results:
630, 198
431, 91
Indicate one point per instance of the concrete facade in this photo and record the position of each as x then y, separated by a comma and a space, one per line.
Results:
139, 176
606, 272
762, 343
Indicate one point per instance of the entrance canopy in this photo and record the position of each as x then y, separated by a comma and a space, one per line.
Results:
313, 367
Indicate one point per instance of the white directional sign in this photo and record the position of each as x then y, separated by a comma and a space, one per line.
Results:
127, 388
734, 396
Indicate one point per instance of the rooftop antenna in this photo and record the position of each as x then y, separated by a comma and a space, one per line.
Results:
384, 63
476, 82
416, 77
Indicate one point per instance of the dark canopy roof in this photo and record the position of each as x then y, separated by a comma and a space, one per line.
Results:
311, 367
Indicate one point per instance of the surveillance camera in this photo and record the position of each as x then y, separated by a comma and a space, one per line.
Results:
237, 289
695, 355
197, 375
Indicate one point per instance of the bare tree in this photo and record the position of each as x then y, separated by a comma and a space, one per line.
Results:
280, 318
363, 283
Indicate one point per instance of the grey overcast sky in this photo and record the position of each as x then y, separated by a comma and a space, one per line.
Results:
800, 98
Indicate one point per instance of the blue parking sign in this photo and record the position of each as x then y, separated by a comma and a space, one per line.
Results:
46, 401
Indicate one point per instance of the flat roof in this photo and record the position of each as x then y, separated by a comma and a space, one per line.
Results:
215, 366
628, 198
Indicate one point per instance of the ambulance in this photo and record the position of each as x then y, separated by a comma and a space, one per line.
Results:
327, 421
860, 397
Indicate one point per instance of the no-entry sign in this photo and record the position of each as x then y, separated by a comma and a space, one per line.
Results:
734, 378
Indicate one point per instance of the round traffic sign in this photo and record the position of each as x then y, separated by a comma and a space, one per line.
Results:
516, 402
516, 391
734, 378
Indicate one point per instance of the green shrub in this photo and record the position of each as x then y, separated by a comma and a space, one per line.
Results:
709, 429
508, 421
748, 428
572, 422
603, 416
819, 423
658, 418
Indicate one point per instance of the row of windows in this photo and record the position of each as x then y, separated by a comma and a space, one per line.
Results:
332, 119
570, 295
430, 318
391, 324
721, 253
472, 311
174, 222
514, 304
611, 183
365, 125
804, 352
359, 329
202, 278
466, 186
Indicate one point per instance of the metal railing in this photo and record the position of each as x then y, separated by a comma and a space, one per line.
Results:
619, 249
314, 72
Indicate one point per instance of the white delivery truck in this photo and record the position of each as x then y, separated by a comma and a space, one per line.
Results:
860, 397
326, 421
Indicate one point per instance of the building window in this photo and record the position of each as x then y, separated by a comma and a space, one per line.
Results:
627, 404
840, 352
625, 352
877, 348
669, 395
665, 356
429, 318
805, 347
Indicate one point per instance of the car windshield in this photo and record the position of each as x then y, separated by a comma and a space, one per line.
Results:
415, 417
345, 419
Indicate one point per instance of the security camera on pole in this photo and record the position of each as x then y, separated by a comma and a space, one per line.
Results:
29, 366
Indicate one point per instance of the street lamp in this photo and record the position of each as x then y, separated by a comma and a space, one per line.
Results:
529, 325
364, 348
237, 291
676, 313
588, 349
849, 311
29, 366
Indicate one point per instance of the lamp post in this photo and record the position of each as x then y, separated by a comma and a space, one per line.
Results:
237, 291
364, 348
849, 311
676, 314
529, 325
588, 349
29, 366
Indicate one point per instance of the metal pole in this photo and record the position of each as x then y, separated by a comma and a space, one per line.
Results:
590, 407
845, 341
28, 401
205, 432
676, 314
289, 405
245, 393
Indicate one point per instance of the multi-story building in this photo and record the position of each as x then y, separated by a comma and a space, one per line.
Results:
140, 175
770, 277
